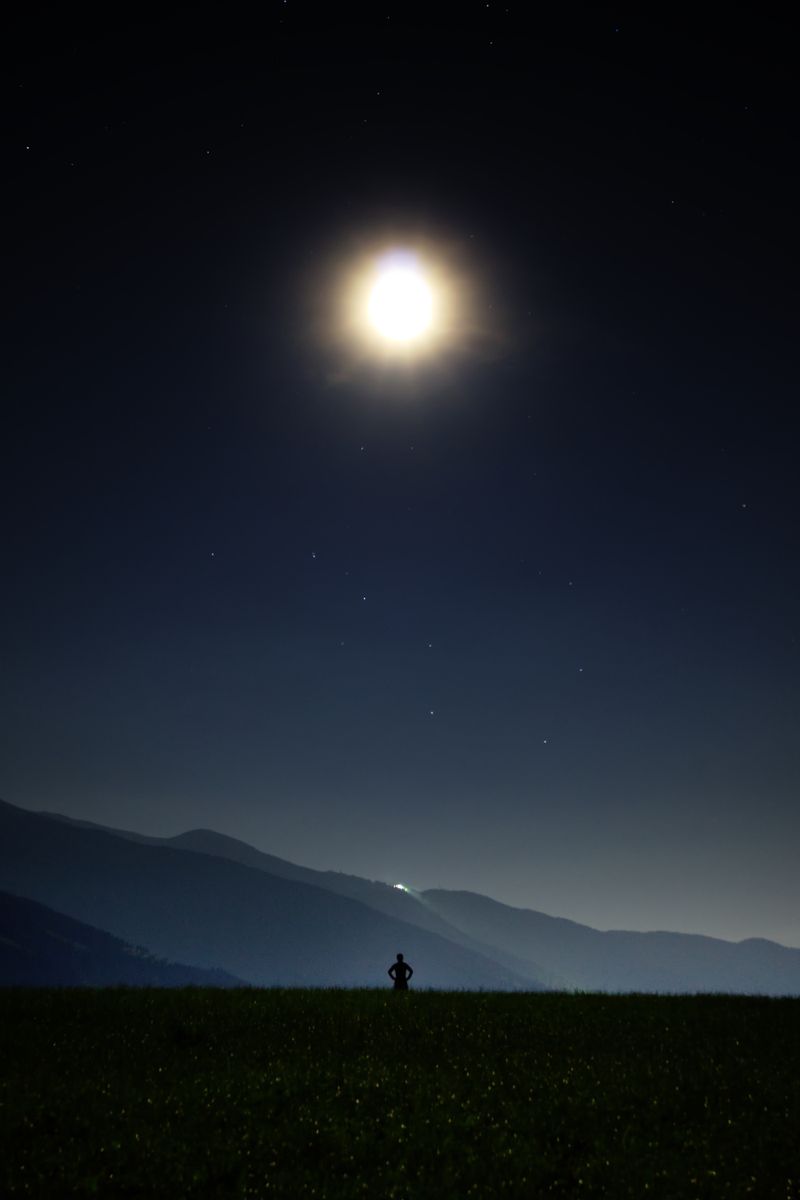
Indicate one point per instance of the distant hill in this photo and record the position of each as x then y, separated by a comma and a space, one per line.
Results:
383, 897
211, 912
43, 948
517, 947
380, 896
619, 960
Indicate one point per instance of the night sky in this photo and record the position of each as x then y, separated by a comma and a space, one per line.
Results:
520, 617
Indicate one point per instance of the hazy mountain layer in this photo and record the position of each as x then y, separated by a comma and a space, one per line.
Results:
621, 960
42, 948
383, 897
211, 912
530, 946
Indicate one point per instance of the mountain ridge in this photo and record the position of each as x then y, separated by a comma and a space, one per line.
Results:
534, 949
210, 912
40, 947
624, 960
402, 905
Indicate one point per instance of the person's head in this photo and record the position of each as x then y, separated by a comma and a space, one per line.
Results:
399, 958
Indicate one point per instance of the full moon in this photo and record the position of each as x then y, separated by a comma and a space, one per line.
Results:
400, 304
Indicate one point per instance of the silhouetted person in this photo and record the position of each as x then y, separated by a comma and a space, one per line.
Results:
400, 972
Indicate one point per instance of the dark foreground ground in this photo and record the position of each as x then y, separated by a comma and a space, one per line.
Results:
370, 1094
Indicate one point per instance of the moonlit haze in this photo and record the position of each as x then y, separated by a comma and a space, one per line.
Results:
400, 463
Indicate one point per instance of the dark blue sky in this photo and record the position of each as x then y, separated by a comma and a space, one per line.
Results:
525, 623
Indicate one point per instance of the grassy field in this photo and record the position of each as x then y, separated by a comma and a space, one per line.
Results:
372, 1094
